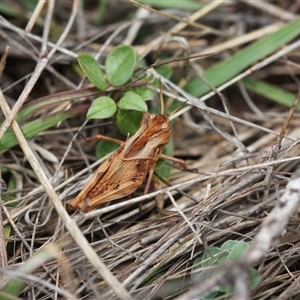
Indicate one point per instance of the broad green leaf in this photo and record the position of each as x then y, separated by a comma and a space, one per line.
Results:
228, 245
119, 65
210, 296
165, 71
132, 101
231, 249
255, 277
141, 62
92, 70
208, 258
238, 250
105, 147
33, 128
254, 280
129, 121
227, 69
101, 108
270, 91
144, 92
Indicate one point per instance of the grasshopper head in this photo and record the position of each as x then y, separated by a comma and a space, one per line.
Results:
150, 139
157, 127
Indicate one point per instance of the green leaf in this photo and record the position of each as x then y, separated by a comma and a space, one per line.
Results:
30, 5
228, 245
238, 250
212, 256
33, 128
208, 259
163, 169
101, 108
105, 147
129, 121
165, 71
12, 185
186, 4
132, 101
210, 296
270, 91
7, 232
101, 12
229, 250
120, 64
38, 106
144, 92
9, 10
254, 277
226, 70
92, 70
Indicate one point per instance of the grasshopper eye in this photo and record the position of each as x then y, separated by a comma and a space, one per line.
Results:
165, 125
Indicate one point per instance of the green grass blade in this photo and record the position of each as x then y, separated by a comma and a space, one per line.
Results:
226, 70
270, 91
186, 4
52, 101
33, 128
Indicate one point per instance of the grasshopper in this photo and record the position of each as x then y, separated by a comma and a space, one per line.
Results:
125, 170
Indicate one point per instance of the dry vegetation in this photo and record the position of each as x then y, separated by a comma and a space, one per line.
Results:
244, 147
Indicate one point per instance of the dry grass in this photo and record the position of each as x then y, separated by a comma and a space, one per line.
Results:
244, 149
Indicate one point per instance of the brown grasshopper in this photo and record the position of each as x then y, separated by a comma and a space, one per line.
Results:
125, 170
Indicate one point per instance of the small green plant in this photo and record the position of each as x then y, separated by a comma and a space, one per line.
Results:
119, 69
215, 256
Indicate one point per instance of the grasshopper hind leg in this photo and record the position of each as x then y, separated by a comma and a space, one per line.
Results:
147, 187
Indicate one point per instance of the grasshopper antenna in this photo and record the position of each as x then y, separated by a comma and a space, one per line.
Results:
177, 108
162, 105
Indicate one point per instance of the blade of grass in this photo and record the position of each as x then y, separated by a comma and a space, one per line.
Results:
52, 101
6, 9
226, 70
33, 128
270, 91
187, 4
